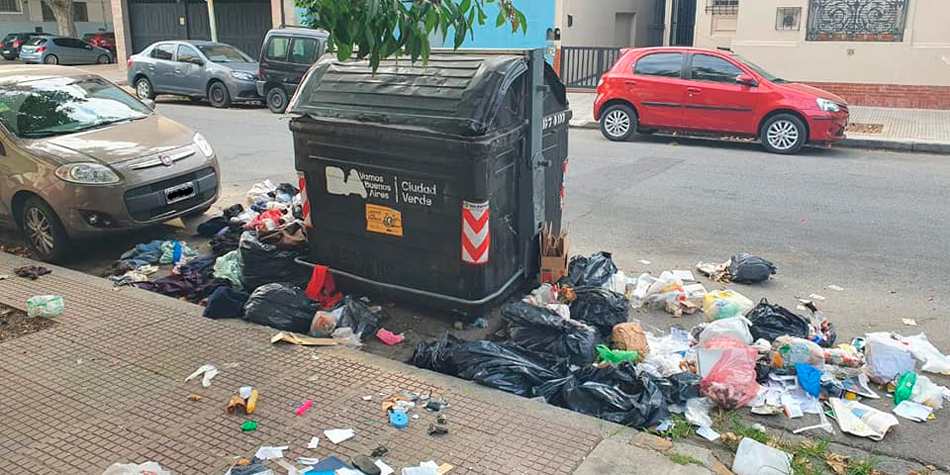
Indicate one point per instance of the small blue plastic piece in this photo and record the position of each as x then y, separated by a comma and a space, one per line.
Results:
399, 420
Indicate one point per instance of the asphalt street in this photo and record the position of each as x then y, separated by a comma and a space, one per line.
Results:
873, 223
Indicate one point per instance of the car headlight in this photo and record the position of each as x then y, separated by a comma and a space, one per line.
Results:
203, 145
243, 76
827, 105
87, 174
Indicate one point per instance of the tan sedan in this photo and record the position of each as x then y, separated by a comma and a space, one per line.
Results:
80, 157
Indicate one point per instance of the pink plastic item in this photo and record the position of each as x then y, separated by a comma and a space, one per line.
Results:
731, 382
303, 407
389, 337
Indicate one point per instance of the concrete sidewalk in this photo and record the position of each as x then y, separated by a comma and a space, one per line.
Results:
917, 130
106, 384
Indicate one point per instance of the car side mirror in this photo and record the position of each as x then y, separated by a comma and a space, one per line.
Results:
88, 47
746, 80
150, 103
196, 61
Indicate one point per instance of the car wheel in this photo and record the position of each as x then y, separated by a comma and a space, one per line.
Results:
219, 96
784, 134
51, 59
143, 89
44, 230
103, 59
277, 100
618, 122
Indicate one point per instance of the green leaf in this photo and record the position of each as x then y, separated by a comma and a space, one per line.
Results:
522, 22
432, 19
466, 4
372, 6
501, 18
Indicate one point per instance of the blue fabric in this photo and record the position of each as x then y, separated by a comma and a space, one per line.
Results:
147, 253
225, 302
809, 378
176, 253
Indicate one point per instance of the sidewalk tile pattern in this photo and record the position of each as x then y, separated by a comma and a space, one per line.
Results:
107, 385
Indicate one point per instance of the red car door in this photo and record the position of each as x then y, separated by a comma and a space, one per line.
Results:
657, 88
714, 100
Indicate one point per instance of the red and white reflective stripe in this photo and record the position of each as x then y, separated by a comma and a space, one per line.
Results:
305, 207
476, 237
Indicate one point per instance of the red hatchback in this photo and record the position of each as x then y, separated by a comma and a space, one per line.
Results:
713, 91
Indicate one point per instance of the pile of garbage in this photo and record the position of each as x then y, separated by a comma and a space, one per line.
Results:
574, 345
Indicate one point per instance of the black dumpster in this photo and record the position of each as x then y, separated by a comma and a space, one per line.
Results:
432, 182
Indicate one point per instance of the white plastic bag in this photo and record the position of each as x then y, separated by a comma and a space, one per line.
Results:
887, 358
617, 283
931, 359
755, 458
697, 411
665, 290
736, 327
147, 468
928, 393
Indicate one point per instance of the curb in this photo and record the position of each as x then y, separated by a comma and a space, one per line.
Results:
903, 145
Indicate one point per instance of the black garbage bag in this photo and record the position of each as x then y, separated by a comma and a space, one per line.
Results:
281, 306
542, 330
591, 271
438, 355
772, 321
599, 307
358, 317
507, 367
679, 387
613, 393
748, 269
266, 263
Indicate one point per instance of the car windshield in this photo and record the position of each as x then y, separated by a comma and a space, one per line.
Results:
64, 105
224, 54
762, 72
88, 37
37, 41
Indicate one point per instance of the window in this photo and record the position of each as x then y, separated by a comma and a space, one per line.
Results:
163, 51
36, 41
277, 48
218, 53
711, 68
660, 64
9, 6
303, 50
186, 54
80, 12
857, 20
722, 7
788, 18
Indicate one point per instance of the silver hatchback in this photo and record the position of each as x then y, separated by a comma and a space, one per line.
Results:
198, 69
63, 50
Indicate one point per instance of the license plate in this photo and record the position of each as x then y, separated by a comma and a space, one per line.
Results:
6, 51
179, 192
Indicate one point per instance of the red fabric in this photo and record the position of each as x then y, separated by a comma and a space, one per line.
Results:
257, 223
322, 287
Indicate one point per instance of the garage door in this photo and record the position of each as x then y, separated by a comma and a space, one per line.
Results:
242, 23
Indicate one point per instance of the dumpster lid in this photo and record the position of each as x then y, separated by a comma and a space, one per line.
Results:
456, 94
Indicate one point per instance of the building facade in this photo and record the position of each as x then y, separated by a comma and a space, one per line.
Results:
890, 53
20, 16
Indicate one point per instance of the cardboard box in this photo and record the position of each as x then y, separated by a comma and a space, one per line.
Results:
554, 267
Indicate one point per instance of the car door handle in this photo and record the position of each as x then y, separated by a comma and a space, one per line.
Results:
693, 90
630, 83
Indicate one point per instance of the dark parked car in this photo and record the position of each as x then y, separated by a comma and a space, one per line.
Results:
198, 69
10, 45
102, 39
285, 58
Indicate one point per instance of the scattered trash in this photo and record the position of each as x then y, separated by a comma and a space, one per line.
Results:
379, 451
730, 380
600, 308
271, 452
772, 321
931, 359
308, 460
398, 419
236, 403
789, 351
909, 322
913, 411
697, 411
209, 372
860, 420
645, 262
540, 329
389, 337
368, 398
554, 252
629, 336
887, 358
252, 401
905, 387
593, 271
683, 275
809, 378
44, 306
281, 306
31, 272
383, 468
304, 407
748, 269
425, 468
339, 435
756, 458
195, 397
147, 468
616, 356
366, 465
314, 443
707, 433
817, 297
249, 426
836, 288
725, 304
288, 337
439, 427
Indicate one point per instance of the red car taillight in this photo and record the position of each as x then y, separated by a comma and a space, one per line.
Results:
128, 64
40, 49
17, 43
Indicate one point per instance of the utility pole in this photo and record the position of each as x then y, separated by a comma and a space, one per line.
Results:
211, 21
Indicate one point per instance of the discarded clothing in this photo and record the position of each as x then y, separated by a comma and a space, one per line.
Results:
225, 302
322, 287
266, 221
230, 267
748, 269
211, 227
260, 191
174, 252
227, 240
232, 211
291, 236
281, 306
31, 272
147, 253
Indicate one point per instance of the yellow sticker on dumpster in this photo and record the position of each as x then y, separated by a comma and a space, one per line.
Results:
383, 220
